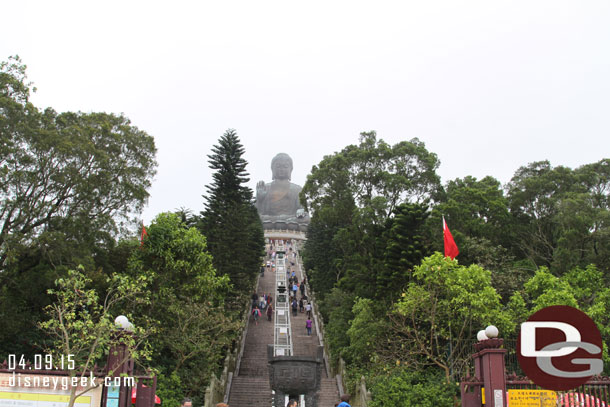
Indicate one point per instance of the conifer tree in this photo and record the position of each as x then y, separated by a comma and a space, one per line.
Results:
405, 248
230, 221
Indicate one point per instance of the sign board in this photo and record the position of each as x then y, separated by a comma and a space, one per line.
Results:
498, 398
33, 390
532, 398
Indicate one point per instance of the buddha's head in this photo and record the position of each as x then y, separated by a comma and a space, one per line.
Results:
281, 166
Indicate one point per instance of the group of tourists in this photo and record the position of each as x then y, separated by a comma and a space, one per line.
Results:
260, 303
303, 307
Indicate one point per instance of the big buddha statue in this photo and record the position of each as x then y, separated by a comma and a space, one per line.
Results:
278, 201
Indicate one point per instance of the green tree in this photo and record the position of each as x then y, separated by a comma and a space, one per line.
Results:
365, 330
544, 289
230, 220
582, 288
367, 201
362, 245
478, 215
355, 192
169, 389
474, 209
187, 310
405, 247
374, 173
187, 217
583, 220
599, 311
585, 283
75, 172
439, 314
81, 324
337, 312
323, 247
69, 182
534, 194
561, 216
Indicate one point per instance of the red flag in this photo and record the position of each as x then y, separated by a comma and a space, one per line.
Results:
144, 233
451, 249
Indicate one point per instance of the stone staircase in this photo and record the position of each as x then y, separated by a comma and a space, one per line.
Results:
249, 391
329, 394
250, 386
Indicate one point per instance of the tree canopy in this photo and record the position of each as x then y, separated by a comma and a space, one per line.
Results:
191, 325
70, 183
67, 172
390, 304
375, 175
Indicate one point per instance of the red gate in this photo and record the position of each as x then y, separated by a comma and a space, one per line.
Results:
490, 383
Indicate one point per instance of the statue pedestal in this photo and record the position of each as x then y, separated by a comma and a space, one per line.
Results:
296, 225
284, 234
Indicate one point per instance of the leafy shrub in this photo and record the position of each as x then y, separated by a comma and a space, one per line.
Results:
170, 389
402, 387
365, 330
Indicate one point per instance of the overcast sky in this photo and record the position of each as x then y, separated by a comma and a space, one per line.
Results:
488, 86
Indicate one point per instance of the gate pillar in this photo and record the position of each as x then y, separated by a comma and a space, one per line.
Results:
490, 369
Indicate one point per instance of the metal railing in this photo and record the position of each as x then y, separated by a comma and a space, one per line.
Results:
282, 332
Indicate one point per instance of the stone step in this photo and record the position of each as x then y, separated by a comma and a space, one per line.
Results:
329, 393
250, 392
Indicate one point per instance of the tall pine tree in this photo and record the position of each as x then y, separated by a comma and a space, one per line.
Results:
405, 248
230, 220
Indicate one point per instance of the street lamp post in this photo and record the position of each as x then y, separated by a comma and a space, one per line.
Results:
119, 363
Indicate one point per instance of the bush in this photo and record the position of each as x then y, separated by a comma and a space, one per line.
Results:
404, 388
170, 389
